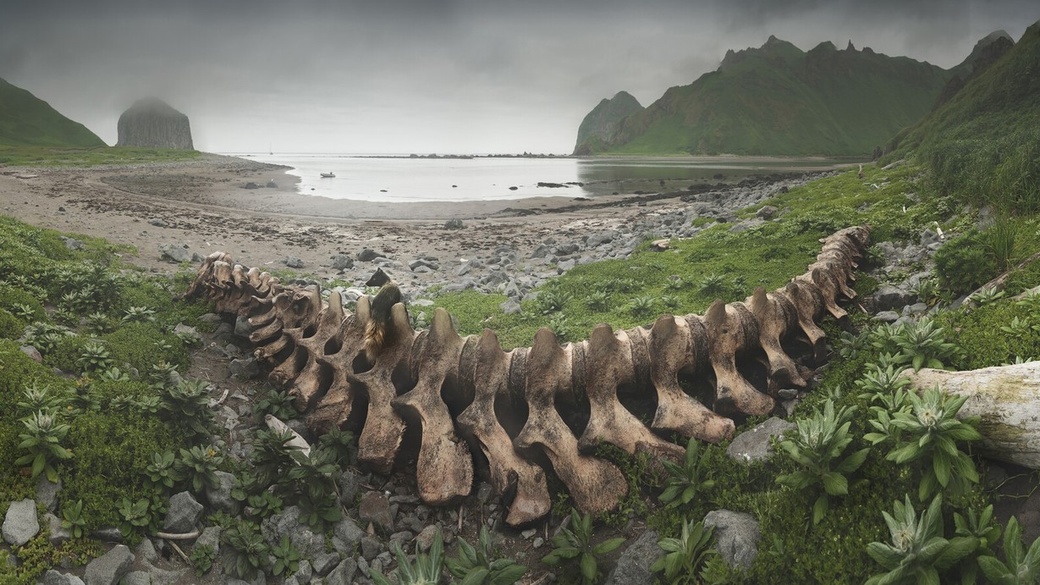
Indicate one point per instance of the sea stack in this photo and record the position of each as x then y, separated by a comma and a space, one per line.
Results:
152, 123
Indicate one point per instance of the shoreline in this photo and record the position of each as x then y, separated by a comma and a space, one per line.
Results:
201, 207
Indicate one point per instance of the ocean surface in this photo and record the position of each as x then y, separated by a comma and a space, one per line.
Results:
426, 179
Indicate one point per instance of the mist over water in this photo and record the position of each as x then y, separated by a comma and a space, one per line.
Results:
421, 179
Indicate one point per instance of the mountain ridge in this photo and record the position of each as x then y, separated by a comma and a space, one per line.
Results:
26, 120
779, 100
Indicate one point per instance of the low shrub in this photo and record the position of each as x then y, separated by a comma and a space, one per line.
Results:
963, 264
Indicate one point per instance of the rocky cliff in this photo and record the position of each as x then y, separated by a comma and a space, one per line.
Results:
152, 123
601, 124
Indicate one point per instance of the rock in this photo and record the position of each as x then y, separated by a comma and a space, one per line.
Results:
324, 562
566, 265
186, 332
754, 444
601, 238
136, 578
72, 243
891, 297
210, 537
292, 262
424, 540
886, 316
152, 123
287, 522
250, 185
20, 523
370, 547
349, 483
453, 224
56, 534
110, 567
47, 493
271, 184
660, 245
633, 566
736, 536
183, 513
157, 222
33, 353
242, 326
378, 278
368, 255
343, 574
304, 573
375, 508
342, 262
766, 212
52, 577
174, 253
510, 306
349, 534
146, 551
244, 368
220, 497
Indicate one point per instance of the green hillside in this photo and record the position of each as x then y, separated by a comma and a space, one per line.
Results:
26, 120
983, 144
779, 100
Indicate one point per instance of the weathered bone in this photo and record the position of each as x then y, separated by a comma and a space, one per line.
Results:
335, 363
595, 484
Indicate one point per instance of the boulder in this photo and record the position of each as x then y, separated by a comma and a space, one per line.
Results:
292, 262
183, 513
736, 536
375, 509
287, 522
343, 574
174, 253
47, 493
342, 262
20, 523
52, 577
890, 297
633, 566
368, 255
755, 444
152, 123
110, 567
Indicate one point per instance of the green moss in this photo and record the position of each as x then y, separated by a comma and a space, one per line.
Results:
141, 345
11, 327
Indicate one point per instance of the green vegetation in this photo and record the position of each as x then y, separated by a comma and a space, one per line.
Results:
41, 156
779, 100
26, 120
575, 545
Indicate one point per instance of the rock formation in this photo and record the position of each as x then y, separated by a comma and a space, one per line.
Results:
152, 123
602, 123
519, 413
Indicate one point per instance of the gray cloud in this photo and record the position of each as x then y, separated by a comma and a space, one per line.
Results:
425, 76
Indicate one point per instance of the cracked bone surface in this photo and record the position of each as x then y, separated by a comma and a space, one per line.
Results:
531, 410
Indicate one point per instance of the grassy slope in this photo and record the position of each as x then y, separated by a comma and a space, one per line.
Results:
42, 156
777, 101
25, 120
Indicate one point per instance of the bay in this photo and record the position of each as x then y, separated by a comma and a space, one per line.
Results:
489, 178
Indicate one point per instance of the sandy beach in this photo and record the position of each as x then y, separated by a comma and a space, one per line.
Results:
203, 206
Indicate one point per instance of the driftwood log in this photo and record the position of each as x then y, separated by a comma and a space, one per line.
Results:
516, 414
1007, 401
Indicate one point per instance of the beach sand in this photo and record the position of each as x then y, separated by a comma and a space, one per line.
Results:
203, 205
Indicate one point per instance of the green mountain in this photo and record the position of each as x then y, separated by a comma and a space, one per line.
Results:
26, 120
600, 125
780, 100
983, 143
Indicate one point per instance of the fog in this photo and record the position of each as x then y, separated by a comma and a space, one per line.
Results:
425, 76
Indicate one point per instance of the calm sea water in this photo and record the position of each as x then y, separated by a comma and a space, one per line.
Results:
405, 179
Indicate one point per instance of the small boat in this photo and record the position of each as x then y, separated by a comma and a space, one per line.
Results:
328, 175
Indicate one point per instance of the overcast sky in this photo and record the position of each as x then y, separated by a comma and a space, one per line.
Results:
465, 76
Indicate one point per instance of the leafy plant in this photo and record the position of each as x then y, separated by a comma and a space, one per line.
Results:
277, 403
286, 557
201, 558
597, 301
918, 551
162, 471
95, 358
713, 285
819, 444
188, 405
985, 296
1019, 565
550, 301
930, 432
983, 532
42, 439
37, 398
642, 305
72, 514
576, 543
313, 476
479, 565
559, 325
685, 557
99, 323
885, 385
918, 345
675, 283
135, 514
138, 315
425, 571
246, 549
686, 481
199, 465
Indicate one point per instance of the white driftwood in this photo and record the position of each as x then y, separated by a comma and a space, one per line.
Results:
1006, 398
297, 442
